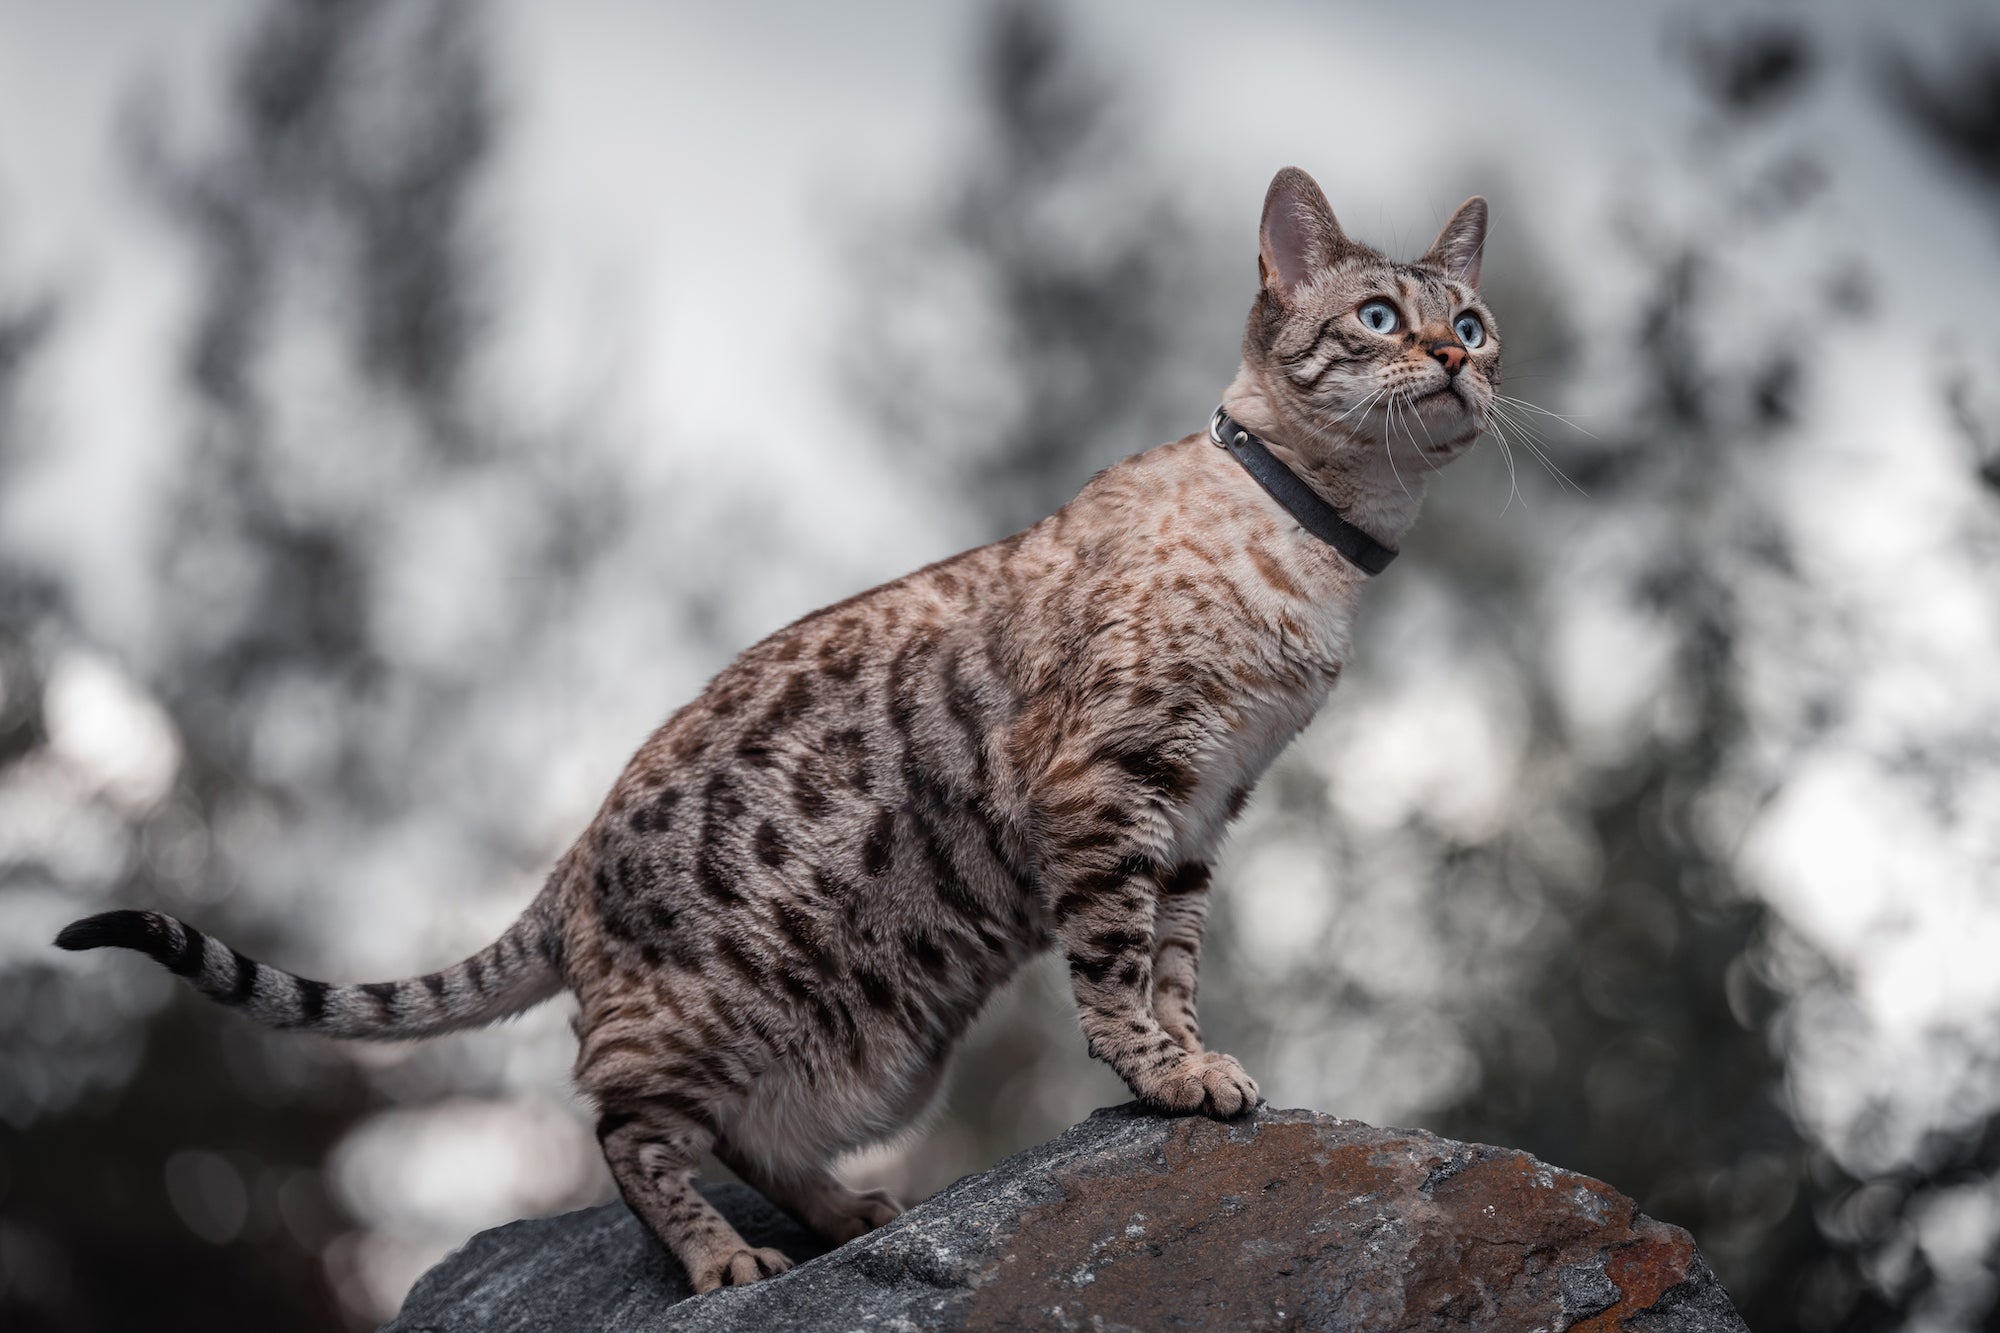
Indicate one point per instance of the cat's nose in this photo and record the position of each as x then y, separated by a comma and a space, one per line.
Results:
1449, 353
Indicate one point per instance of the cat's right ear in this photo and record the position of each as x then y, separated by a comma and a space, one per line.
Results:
1299, 234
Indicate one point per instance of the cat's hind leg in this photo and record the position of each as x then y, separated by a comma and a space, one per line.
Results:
817, 1198
652, 1147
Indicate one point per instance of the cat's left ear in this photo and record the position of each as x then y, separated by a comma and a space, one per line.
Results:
1459, 246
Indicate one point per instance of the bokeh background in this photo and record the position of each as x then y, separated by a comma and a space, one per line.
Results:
405, 405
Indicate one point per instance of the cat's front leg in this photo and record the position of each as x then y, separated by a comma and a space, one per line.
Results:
1177, 931
1106, 920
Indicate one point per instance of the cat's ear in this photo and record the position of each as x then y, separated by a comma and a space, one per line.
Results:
1459, 246
1299, 234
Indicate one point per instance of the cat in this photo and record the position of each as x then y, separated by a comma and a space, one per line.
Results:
807, 882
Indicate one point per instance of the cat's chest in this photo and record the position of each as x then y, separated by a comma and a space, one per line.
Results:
1236, 758
1286, 680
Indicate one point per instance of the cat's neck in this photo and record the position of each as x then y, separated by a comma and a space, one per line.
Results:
1358, 479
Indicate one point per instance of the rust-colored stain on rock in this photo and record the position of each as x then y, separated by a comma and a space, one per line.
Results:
1653, 1264
1325, 1224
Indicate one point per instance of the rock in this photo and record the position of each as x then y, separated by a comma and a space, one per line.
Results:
596, 1268
1133, 1221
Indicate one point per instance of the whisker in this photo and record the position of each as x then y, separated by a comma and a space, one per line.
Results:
1500, 413
1524, 404
1358, 407
1423, 453
1389, 447
1507, 456
1319, 435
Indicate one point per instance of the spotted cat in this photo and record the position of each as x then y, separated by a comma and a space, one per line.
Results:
807, 882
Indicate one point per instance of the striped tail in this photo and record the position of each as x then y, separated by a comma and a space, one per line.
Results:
513, 973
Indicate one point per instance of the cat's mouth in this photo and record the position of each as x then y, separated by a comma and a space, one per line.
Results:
1448, 387
1433, 397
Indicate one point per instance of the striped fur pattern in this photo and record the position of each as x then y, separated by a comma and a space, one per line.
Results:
515, 972
808, 881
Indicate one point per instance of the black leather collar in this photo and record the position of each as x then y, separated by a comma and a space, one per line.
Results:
1315, 515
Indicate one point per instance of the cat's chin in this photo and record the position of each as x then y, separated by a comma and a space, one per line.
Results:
1443, 419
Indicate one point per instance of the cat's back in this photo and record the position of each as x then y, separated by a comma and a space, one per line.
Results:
988, 622
802, 790
815, 750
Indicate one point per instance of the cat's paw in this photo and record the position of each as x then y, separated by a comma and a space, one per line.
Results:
735, 1268
858, 1214
1211, 1083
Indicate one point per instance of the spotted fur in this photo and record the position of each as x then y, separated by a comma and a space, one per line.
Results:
808, 881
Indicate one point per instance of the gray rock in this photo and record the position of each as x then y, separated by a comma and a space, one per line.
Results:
1133, 1221
595, 1268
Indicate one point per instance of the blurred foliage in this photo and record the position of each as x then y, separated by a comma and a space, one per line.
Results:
1064, 260
336, 200
1575, 964
1656, 1008
1956, 110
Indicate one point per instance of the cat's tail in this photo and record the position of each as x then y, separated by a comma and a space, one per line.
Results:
513, 973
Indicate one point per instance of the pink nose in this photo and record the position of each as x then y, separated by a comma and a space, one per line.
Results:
1450, 354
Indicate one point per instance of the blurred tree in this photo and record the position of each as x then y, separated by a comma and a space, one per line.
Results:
337, 427
1064, 265
1956, 111
89, 1124
28, 597
34, 621
1891, 1221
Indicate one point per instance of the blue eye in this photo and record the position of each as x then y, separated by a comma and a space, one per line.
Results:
1469, 330
1379, 316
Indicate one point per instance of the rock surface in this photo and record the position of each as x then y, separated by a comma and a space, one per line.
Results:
1131, 1221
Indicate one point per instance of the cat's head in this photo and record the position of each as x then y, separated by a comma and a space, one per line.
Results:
1352, 348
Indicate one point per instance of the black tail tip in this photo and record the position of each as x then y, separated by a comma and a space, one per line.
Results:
144, 931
